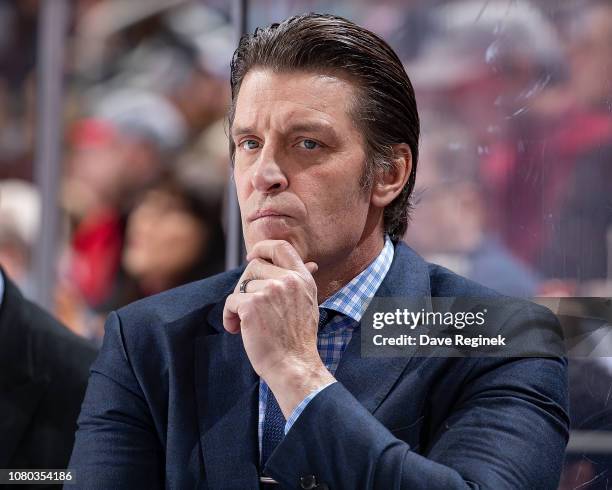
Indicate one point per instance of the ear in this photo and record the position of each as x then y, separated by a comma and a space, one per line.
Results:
389, 183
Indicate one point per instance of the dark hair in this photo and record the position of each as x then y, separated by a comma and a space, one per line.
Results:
204, 202
386, 109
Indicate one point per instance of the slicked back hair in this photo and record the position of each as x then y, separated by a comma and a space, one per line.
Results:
385, 110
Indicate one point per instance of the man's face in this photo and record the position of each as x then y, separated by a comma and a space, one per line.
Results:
298, 162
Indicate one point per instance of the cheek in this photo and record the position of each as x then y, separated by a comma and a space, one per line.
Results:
336, 200
179, 248
140, 229
241, 179
243, 189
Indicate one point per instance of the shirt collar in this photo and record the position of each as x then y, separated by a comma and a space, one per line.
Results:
353, 299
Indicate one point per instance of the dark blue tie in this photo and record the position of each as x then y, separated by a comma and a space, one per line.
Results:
274, 421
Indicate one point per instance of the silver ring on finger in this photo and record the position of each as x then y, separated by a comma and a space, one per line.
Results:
243, 285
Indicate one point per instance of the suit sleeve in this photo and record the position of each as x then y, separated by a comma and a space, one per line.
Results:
115, 445
508, 430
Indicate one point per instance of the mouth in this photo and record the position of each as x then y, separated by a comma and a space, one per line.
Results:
267, 213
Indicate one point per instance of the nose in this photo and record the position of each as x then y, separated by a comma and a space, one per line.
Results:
268, 176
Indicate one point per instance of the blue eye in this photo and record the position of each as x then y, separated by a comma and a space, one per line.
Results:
250, 144
309, 144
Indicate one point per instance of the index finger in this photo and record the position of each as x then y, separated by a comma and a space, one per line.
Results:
280, 252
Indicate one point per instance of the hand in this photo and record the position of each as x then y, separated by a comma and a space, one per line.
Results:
278, 318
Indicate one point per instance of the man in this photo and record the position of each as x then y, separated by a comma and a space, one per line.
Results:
449, 225
43, 376
240, 379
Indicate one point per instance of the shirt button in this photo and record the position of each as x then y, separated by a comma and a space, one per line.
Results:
308, 482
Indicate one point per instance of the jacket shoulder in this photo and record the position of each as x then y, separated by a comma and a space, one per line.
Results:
445, 282
153, 334
180, 302
41, 342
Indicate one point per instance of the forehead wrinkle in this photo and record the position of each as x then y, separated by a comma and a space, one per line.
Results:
282, 102
283, 118
323, 105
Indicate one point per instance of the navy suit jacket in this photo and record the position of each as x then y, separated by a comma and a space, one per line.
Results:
173, 401
43, 375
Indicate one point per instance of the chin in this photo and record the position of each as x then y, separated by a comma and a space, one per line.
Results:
286, 236
270, 230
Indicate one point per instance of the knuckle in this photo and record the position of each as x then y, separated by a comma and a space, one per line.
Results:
253, 265
275, 286
257, 298
292, 280
248, 308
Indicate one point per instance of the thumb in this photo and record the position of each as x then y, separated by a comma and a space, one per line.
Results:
312, 267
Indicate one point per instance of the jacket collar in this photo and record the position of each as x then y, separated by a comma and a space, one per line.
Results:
370, 379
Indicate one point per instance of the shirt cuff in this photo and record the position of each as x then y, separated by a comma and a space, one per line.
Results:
302, 405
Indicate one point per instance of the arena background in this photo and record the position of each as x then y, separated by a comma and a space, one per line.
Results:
114, 171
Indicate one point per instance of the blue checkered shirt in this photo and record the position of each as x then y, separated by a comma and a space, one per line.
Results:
348, 306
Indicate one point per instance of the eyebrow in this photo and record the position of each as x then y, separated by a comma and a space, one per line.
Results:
308, 127
240, 130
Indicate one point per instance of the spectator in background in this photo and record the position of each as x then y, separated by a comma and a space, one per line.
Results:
491, 65
113, 159
18, 38
173, 236
450, 221
178, 51
590, 54
554, 197
577, 236
488, 63
19, 224
543, 128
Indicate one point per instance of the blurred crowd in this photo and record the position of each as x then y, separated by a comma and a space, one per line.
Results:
514, 186
516, 177
144, 160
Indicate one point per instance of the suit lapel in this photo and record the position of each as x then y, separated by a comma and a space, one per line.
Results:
227, 399
369, 379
